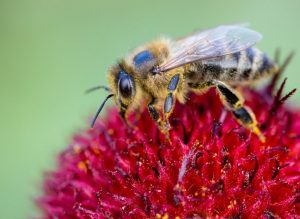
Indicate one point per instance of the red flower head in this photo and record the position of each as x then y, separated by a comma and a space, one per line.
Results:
212, 167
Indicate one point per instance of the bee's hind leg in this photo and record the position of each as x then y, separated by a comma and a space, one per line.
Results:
234, 102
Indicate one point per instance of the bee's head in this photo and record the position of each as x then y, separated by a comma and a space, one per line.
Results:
125, 87
122, 88
122, 85
127, 79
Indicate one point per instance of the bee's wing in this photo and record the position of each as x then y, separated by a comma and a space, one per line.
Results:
211, 43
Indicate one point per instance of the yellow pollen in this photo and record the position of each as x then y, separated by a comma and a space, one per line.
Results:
165, 216
96, 150
197, 143
82, 166
110, 131
158, 215
76, 149
231, 205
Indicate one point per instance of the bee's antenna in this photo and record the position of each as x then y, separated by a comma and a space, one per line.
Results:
100, 109
96, 88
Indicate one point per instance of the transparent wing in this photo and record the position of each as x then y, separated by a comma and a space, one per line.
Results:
211, 43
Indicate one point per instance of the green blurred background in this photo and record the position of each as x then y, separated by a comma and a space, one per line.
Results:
52, 50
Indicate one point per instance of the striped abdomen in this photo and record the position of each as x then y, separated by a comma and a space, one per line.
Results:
244, 66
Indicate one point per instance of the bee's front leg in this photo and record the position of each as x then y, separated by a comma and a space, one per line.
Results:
124, 115
152, 110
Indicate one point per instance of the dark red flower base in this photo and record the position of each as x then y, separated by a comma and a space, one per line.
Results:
212, 168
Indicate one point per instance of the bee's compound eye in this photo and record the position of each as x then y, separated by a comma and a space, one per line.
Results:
125, 84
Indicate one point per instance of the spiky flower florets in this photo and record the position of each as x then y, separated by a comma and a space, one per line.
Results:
210, 168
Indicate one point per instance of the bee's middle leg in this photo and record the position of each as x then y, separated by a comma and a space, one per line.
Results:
170, 99
154, 113
169, 102
234, 102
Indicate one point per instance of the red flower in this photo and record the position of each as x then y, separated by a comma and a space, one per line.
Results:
212, 167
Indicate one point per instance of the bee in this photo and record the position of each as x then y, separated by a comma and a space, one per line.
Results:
162, 72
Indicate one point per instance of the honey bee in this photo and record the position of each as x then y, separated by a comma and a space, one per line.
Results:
163, 71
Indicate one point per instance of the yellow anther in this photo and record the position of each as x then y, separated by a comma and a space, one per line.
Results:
82, 166
76, 149
96, 150
110, 131
165, 216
